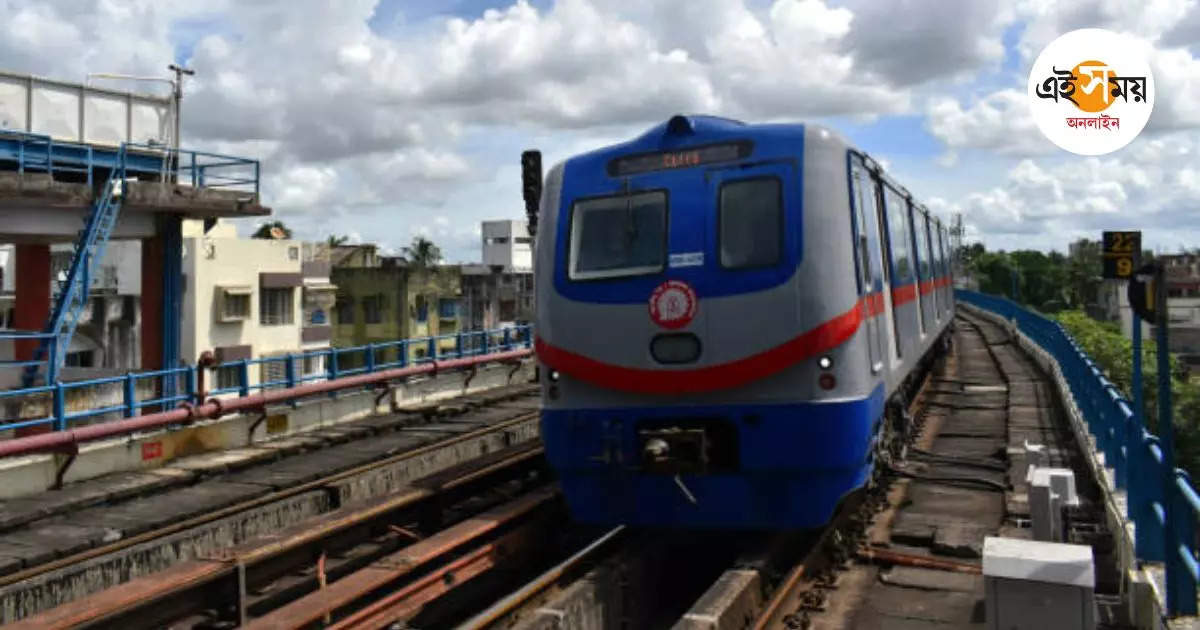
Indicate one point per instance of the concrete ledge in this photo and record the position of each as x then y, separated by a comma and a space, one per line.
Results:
34, 474
39, 189
201, 202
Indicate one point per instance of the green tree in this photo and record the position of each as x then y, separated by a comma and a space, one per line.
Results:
334, 240
264, 230
422, 253
1113, 354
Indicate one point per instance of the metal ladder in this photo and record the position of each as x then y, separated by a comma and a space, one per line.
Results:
71, 300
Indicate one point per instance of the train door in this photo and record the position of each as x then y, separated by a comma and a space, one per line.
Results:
935, 265
868, 257
895, 262
921, 263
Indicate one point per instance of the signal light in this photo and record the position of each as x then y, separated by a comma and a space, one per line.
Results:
827, 381
531, 185
825, 362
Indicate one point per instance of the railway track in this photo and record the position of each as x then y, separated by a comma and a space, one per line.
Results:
237, 586
784, 581
986, 397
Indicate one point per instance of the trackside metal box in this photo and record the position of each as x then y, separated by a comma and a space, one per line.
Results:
1034, 585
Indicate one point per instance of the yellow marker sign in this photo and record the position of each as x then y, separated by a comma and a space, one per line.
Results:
1121, 253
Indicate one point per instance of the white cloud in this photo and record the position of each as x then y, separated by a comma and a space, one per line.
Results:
1045, 204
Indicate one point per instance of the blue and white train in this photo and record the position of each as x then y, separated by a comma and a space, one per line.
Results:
724, 311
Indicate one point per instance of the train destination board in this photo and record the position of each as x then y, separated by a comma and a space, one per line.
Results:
682, 158
1121, 252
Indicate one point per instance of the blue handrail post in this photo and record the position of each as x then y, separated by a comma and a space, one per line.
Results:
487, 336
432, 350
333, 368
189, 383
289, 366
528, 336
1151, 549
458, 344
243, 378
403, 352
507, 343
370, 352
130, 395
60, 408
1185, 523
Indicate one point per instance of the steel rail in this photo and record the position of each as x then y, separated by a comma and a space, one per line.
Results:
216, 407
801, 577
410, 560
255, 502
544, 581
106, 607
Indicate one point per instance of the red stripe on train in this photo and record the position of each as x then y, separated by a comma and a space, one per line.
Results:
823, 338
902, 294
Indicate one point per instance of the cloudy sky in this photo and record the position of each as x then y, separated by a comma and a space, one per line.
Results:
384, 119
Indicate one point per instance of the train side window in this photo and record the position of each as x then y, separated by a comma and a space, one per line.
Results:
751, 223
941, 250
922, 244
864, 197
623, 235
896, 207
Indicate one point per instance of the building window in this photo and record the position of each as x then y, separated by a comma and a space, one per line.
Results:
522, 240
83, 358
227, 377
345, 311
448, 309
293, 253
422, 309
373, 309
233, 303
274, 371
498, 240
276, 307
314, 365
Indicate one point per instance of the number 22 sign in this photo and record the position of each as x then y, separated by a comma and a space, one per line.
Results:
1121, 253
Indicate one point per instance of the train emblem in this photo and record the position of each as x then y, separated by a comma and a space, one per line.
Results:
673, 304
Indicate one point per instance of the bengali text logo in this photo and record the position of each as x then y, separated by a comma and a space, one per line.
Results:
1091, 91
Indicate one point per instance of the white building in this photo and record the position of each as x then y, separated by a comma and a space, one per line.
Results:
507, 244
253, 298
499, 292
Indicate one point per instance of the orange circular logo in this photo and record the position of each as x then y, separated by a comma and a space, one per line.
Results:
1092, 89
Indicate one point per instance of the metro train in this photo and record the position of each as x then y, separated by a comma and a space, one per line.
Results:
729, 317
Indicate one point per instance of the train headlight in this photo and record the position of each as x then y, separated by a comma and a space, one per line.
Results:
825, 362
827, 381
675, 348
553, 376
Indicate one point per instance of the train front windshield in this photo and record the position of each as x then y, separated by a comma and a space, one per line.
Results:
623, 235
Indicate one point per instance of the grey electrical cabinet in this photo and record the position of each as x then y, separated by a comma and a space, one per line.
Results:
1034, 585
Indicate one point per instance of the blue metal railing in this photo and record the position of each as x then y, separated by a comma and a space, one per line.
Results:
1156, 496
372, 357
42, 154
